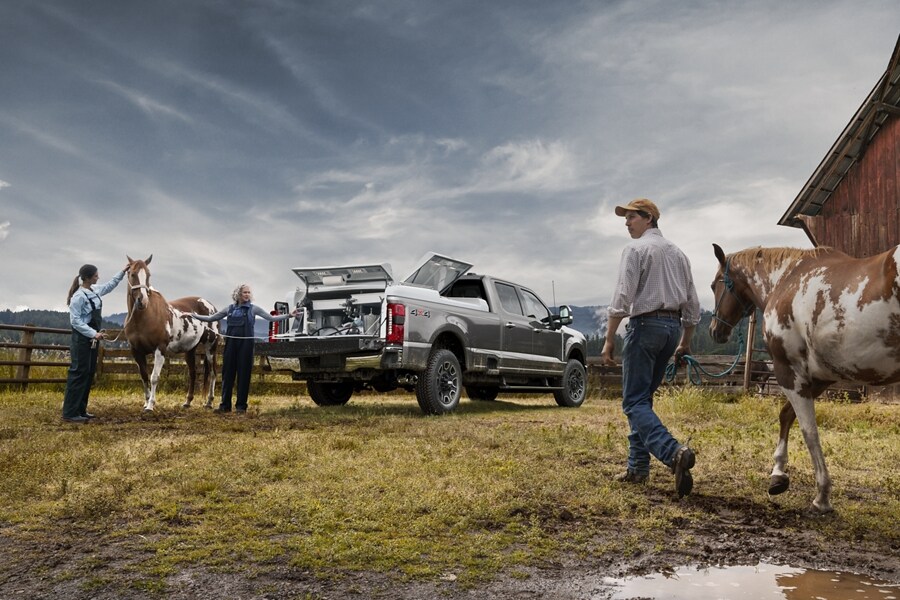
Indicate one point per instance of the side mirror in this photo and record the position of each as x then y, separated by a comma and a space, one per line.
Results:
565, 315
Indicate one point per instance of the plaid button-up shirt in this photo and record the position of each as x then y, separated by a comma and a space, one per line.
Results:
654, 274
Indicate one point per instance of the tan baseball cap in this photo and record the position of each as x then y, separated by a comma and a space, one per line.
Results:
639, 204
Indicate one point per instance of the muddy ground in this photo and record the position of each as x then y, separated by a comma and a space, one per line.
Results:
77, 566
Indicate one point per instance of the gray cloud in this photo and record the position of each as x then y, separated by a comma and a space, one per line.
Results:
235, 141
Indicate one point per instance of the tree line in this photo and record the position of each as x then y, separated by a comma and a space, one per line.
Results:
701, 344
42, 318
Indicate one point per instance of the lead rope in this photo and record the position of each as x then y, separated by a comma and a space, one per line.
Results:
693, 368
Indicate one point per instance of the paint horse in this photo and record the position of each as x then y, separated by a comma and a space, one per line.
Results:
827, 317
163, 328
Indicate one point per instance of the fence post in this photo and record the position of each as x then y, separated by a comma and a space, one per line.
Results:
748, 356
23, 371
101, 351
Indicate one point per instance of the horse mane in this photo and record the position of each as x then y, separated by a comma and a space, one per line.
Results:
773, 258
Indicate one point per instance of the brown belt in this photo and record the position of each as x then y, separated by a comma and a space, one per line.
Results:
661, 314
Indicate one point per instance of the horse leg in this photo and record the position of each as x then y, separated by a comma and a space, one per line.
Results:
806, 415
141, 360
209, 374
190, 357
159, 359
779, 480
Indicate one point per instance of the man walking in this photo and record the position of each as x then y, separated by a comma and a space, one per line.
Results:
655, 290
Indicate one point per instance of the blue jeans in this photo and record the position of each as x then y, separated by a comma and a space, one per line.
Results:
649, 344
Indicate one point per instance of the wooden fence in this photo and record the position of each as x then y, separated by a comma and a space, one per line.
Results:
114, 362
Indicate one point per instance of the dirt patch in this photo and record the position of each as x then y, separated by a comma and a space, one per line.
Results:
76, 566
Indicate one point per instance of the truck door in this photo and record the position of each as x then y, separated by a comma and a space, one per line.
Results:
547, 343
515, 334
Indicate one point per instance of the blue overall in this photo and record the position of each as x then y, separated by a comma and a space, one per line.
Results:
84, 352
237, 359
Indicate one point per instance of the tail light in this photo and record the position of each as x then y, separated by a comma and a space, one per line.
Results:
396, 318
274, 329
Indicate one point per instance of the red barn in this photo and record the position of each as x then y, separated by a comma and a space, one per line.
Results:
852, 200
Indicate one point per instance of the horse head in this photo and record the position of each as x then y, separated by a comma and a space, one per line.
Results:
139, 282
734, 300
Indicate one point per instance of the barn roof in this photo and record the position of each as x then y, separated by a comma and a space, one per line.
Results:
882, 103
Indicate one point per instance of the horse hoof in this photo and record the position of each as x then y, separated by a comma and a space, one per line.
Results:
778, 484
822, 509
186, 405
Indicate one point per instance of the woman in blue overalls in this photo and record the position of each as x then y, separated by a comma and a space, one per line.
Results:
84, 314
237, 361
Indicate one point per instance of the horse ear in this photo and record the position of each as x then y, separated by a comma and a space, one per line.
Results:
130, 260
720, 254
149, 258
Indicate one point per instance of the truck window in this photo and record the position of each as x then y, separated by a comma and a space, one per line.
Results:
509, 299
534, 307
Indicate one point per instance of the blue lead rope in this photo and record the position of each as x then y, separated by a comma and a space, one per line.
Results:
694, 369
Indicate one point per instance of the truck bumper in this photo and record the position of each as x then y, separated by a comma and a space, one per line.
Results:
343, 354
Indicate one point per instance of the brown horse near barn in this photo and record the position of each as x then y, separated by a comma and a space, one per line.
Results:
828, 318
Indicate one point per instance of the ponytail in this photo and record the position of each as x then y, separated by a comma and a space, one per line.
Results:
72, 290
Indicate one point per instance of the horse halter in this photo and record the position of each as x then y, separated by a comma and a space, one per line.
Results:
137, 286
746, 309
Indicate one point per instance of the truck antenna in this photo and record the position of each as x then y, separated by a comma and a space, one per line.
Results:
553, 287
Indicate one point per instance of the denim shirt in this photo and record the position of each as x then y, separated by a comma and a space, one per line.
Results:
80, 306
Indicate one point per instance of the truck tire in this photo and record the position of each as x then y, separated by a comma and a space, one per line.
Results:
574, 385
440, 385
329, 394
484, 393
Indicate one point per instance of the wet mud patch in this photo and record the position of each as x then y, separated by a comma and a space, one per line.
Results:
729, 532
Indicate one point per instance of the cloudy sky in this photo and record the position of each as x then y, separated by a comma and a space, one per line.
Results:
233, 140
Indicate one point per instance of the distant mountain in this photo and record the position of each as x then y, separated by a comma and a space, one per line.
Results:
589, 320
117, 318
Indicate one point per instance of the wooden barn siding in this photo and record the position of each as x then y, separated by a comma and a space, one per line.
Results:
862, 217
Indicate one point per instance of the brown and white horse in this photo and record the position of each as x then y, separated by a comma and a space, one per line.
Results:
156, 326
828, 317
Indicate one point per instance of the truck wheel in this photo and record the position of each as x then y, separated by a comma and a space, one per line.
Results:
329, 394
440, 385
574, 385
482, 392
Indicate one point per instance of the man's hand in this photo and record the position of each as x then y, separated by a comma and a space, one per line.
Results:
681, 352
606, 356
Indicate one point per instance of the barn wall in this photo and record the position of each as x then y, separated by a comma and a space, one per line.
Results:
862, 217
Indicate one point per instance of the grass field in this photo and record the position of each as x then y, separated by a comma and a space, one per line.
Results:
377, 486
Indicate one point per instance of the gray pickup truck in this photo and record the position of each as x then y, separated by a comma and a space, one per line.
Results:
438, 332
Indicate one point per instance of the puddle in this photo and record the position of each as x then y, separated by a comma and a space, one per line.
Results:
761, 582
